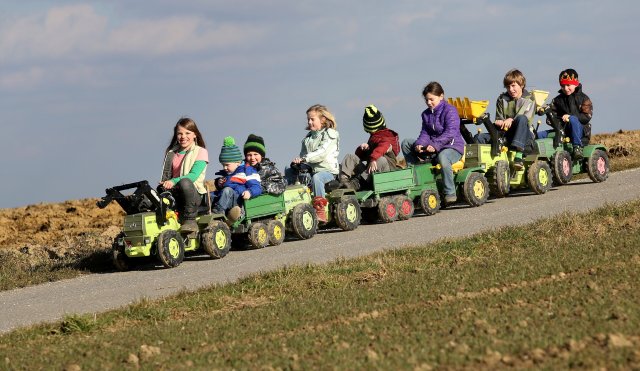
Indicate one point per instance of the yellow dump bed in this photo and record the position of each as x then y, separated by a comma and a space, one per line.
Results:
469, 109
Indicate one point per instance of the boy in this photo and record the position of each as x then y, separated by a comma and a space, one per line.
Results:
514, 113
575, 109
238, 181
377, 155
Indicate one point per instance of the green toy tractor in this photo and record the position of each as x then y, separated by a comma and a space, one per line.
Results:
151, 228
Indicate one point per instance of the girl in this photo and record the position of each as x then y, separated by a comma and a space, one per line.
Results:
440, 136
320, 151
184, 169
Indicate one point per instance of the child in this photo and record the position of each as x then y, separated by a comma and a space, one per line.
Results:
319, 150
254, 155
183, 171
377, 155
440, 136
239, 181
514, 114
575, 109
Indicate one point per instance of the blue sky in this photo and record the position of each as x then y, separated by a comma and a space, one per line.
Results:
90, 91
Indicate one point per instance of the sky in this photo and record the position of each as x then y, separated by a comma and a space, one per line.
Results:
90, 91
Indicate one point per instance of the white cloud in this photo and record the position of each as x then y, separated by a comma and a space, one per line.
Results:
69, 32
22, 79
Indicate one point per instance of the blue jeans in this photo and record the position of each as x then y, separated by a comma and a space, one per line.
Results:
517, 136
316, 183
573, 129
224, 200
446, 158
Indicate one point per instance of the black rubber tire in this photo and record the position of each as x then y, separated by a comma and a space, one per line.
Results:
500, 184
476, 189
216, 239
120, 259
539, 177
304, 221
598, 166
404, 206
258, 235
347, 214
561, 168
275, 231
387, 210
430, 201
170, 248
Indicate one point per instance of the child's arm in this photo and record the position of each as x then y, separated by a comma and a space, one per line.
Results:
197, 169
585, 111
328, 145
451, 128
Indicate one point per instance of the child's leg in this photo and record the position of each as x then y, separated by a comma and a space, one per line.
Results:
575, 132
188, 198
227, 199
351, 166
446, 158
318, 181
519, 133
543, 134
408, 151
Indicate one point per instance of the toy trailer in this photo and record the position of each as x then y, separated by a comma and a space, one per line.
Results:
267, 217
151, 228
388, 200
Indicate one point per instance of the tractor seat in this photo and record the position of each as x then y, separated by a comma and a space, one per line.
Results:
456, 166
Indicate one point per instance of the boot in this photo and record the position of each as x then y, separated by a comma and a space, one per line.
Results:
331, 186
189, 226
352, 183
319, 203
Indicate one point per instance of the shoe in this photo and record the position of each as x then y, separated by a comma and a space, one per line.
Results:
332, 186
318, 204
352, 183
234, 213
189, 226
518, 164
577, 153
450, 199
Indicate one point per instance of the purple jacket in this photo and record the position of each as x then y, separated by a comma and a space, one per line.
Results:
441, 128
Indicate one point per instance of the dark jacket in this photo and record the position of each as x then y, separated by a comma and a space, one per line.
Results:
577, 104
441, 128
379, 143
271, 179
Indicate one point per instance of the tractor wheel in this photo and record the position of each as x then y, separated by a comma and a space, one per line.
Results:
476, 189
304, 221
598, 166
561, 168
430, 201
275, 230
216, 240
370, 215
387, 210
120, 259
405, 207
347, 214
258, 235
539, 177
500, 185
170, 248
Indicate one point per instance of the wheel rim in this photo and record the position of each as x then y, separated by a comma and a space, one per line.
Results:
478, 189
565, 167
432, 201
406, 207
543, 177
390, 210
221, 239
262, 235
601, 165
174, 248
277, 232
307, 220
352, 213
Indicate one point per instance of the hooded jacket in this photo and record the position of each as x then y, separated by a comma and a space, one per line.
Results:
320, 150
441, 128
577, 104
379, 143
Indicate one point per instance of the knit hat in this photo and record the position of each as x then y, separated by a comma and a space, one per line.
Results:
569, 77
372, 120
254, 143
230, 152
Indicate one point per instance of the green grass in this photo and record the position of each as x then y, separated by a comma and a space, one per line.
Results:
558, 293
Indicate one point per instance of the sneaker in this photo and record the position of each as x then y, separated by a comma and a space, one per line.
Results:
234, 213
189, 226
450, 199
518, 164
332, 185
577, 153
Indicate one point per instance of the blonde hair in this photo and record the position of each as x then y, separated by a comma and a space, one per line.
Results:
516, 76
330, 120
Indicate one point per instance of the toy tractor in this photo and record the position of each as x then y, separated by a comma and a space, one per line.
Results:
151, 228
496, 159
595, 161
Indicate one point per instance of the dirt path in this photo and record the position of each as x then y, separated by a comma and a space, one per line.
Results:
100, 292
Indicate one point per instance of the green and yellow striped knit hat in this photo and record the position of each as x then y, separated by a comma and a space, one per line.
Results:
230, 152
372, 120
255, 143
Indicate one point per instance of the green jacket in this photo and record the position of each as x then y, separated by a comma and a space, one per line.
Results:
508, 108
